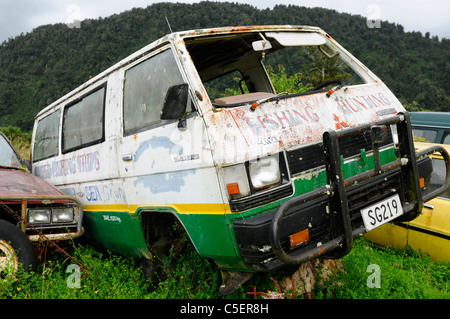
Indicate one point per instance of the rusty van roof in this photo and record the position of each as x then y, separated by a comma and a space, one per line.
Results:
241, 29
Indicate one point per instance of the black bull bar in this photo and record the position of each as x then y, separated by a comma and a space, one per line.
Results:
342, 239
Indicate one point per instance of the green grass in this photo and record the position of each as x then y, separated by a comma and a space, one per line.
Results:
403, 274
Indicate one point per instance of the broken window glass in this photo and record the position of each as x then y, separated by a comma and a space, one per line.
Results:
146, 85
83, 121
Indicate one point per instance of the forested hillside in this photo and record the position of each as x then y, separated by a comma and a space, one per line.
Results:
39, 67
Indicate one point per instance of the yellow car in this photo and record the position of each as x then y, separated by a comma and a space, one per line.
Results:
430, 232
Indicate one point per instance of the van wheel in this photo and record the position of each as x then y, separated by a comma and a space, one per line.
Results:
15, 249
165, 238
153, 272
164, 251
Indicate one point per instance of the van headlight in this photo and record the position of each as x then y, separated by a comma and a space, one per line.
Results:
253, 176
264, 172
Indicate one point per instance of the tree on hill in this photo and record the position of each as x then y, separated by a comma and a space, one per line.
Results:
39, 67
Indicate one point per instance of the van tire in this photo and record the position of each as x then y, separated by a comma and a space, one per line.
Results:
14, 243
165, 238
153, 273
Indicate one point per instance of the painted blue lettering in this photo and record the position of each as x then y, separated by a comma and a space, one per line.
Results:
92, 193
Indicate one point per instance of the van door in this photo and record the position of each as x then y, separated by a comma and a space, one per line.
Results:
160, 162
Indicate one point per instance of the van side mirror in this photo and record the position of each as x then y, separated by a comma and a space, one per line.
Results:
175, 103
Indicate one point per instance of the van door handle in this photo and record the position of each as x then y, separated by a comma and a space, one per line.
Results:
127, 157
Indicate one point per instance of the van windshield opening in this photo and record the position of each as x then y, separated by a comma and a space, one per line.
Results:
241, 68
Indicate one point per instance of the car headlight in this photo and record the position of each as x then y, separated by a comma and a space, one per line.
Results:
39, 215
264, 172
62, 215
51, 215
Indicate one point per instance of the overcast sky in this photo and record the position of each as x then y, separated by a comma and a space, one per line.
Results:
17, 16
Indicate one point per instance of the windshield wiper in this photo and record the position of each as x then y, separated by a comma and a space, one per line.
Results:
334, 89
267, 99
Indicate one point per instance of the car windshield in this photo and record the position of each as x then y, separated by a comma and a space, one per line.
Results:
236, 68
8, 157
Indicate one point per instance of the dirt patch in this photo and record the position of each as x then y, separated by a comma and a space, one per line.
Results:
310, 273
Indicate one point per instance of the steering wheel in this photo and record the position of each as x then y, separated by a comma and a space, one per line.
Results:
324, 84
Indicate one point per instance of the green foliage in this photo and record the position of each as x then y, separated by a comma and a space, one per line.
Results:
324, 68
188, 276
238, 85
280, 79
39, 67
404, 274
21, 141
415, 107
104, 276
286, 83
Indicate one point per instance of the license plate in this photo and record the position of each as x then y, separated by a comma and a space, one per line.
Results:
382, 212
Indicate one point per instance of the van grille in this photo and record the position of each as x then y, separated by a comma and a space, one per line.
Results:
377, 189
261, 199
306, 158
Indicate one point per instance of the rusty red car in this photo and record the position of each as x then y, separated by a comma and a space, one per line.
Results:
31, 210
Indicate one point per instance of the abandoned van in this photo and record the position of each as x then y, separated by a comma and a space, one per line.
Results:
268, 146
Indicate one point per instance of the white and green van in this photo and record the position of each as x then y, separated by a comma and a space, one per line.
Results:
268, 146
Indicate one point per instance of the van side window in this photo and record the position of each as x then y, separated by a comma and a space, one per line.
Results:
146, 85
83, 121
47, 136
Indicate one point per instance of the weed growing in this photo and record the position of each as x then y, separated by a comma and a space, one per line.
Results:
382, 273
103, 276
369, 273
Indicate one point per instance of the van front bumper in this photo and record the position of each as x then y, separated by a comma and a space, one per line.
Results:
331, 214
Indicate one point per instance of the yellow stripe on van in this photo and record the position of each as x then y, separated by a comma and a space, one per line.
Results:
211, 209
107, 208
